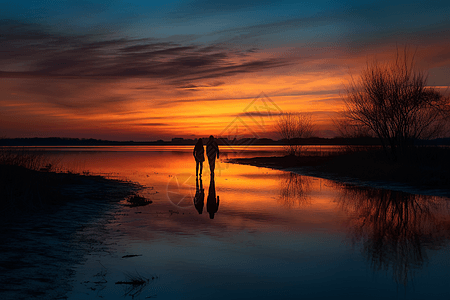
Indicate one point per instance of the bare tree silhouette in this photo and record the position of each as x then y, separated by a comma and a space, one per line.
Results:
291, 127
393, 102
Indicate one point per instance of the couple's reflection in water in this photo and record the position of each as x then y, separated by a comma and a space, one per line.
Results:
199, 199
395, 229
212, 203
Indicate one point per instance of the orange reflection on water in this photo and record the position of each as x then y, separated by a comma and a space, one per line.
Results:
251, 198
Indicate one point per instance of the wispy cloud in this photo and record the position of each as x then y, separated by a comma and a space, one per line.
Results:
29, 50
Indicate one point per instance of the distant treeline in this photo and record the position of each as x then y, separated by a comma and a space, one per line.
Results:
55, 141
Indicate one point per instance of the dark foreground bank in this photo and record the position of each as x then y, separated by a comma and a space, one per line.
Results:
423, 171
22, 189
49, 222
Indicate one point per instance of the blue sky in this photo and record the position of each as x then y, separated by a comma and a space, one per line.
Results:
187, 51
237, 22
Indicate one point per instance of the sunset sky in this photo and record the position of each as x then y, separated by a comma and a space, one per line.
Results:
148, 70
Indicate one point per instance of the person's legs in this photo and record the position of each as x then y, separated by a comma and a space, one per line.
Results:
201, 168
212, 164
196, 167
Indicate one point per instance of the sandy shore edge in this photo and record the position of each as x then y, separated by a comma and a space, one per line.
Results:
41, 247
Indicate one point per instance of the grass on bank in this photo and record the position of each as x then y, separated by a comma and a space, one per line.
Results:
29, 159
422, 166
29, 180
427, 167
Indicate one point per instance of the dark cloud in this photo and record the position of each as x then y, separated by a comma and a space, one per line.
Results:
194, 86
274, 114
30, 50
269, 114
189, 86
152, 124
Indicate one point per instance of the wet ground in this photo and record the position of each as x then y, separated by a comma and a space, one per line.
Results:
41, 246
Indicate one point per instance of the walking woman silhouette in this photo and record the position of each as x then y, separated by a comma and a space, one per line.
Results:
199, 155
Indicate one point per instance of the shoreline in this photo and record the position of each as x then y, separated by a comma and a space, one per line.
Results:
44, 241
328, 168
23, 189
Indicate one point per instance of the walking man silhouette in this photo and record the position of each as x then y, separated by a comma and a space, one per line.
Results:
212, 151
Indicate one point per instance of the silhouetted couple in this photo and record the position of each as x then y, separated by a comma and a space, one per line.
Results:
212, 151
212, 204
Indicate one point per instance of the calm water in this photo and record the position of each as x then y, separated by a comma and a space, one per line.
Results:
260, 233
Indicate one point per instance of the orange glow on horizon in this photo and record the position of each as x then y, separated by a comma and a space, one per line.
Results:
148, 109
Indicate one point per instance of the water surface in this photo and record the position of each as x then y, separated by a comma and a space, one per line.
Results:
259, 233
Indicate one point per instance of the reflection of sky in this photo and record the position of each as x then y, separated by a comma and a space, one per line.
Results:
144, 70
249, 196
261, 243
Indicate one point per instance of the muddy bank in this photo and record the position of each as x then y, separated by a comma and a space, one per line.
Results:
365, 169
42, 243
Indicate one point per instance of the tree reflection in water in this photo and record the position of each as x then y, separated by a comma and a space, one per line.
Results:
395, 229
294, 189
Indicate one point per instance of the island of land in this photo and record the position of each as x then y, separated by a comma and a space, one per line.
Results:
426, 170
